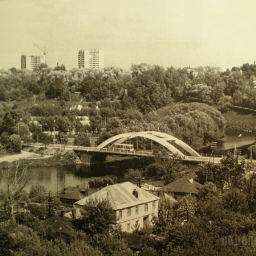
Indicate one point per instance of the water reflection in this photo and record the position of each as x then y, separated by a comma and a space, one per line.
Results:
56, 178
231, 138
229, 141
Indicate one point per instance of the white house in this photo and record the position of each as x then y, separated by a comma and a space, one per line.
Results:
133, 206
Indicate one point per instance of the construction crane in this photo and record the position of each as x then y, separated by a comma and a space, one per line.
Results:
43, 51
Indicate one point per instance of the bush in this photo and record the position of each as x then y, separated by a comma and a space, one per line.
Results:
38, 210
97, 217
99, 183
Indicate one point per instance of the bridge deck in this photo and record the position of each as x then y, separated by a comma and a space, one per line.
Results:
137, 153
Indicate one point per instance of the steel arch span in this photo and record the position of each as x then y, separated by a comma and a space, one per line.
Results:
171, 143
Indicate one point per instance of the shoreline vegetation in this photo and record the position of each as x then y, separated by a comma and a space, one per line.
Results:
235, 118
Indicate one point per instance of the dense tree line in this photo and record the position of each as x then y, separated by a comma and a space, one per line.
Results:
144, 86
123, 101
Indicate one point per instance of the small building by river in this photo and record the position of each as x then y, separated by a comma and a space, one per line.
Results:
69, 195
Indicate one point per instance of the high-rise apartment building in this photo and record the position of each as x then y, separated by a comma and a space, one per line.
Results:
36, 60
91, 59
81, 59
23, 62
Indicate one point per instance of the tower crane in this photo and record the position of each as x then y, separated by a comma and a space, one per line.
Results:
43, 51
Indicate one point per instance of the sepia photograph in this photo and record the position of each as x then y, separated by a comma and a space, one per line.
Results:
127, 127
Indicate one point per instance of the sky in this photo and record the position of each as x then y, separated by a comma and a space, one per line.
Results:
178, 33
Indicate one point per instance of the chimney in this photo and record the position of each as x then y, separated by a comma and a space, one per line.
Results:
135, 193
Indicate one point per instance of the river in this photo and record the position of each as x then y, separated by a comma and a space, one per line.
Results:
230, 140
54, 179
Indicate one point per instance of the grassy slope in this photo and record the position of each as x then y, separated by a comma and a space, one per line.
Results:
237, 120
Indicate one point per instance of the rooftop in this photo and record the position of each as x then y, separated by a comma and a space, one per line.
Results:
120, 196
184, 185
72, 193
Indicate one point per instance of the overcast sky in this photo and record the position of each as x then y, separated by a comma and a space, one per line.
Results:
163, 32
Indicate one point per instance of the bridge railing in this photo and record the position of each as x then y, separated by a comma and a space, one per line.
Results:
124, 151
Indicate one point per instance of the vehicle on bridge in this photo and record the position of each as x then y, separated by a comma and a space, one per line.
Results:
124, 147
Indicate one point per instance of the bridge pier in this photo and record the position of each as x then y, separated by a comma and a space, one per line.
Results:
91, 158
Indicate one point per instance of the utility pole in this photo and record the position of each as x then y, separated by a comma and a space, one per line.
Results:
235, 153
49, 203
213, 146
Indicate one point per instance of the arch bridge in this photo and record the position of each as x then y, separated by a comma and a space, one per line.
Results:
173, 145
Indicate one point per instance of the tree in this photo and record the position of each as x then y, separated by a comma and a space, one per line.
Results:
38, 210
229, 173
62, 67
100, 183
37, 194
97, 216
82, 140
14, 145
22, 129
112, 243
27, 139
16, 177
21, 240
132, 175
235, 200
166, 168
44, 138
40, 67
194, 123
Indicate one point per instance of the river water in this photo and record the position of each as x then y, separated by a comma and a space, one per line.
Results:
231, 140
54, 179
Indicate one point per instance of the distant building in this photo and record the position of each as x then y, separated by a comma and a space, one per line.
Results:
84, 120
133, 206
36, 60
81, 59
192, 71
91, 59
23, 62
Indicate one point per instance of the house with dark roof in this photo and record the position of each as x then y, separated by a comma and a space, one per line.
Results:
133, 206
69, 195
183, 186
60, 225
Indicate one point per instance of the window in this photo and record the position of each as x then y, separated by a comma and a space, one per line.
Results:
129, 212
137, 209
128, 226
154, 205
120, 214
146, 207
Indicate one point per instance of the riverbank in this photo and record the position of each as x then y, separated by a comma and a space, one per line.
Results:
23, 155
43, 157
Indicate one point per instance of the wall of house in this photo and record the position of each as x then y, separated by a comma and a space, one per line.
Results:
131, 217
